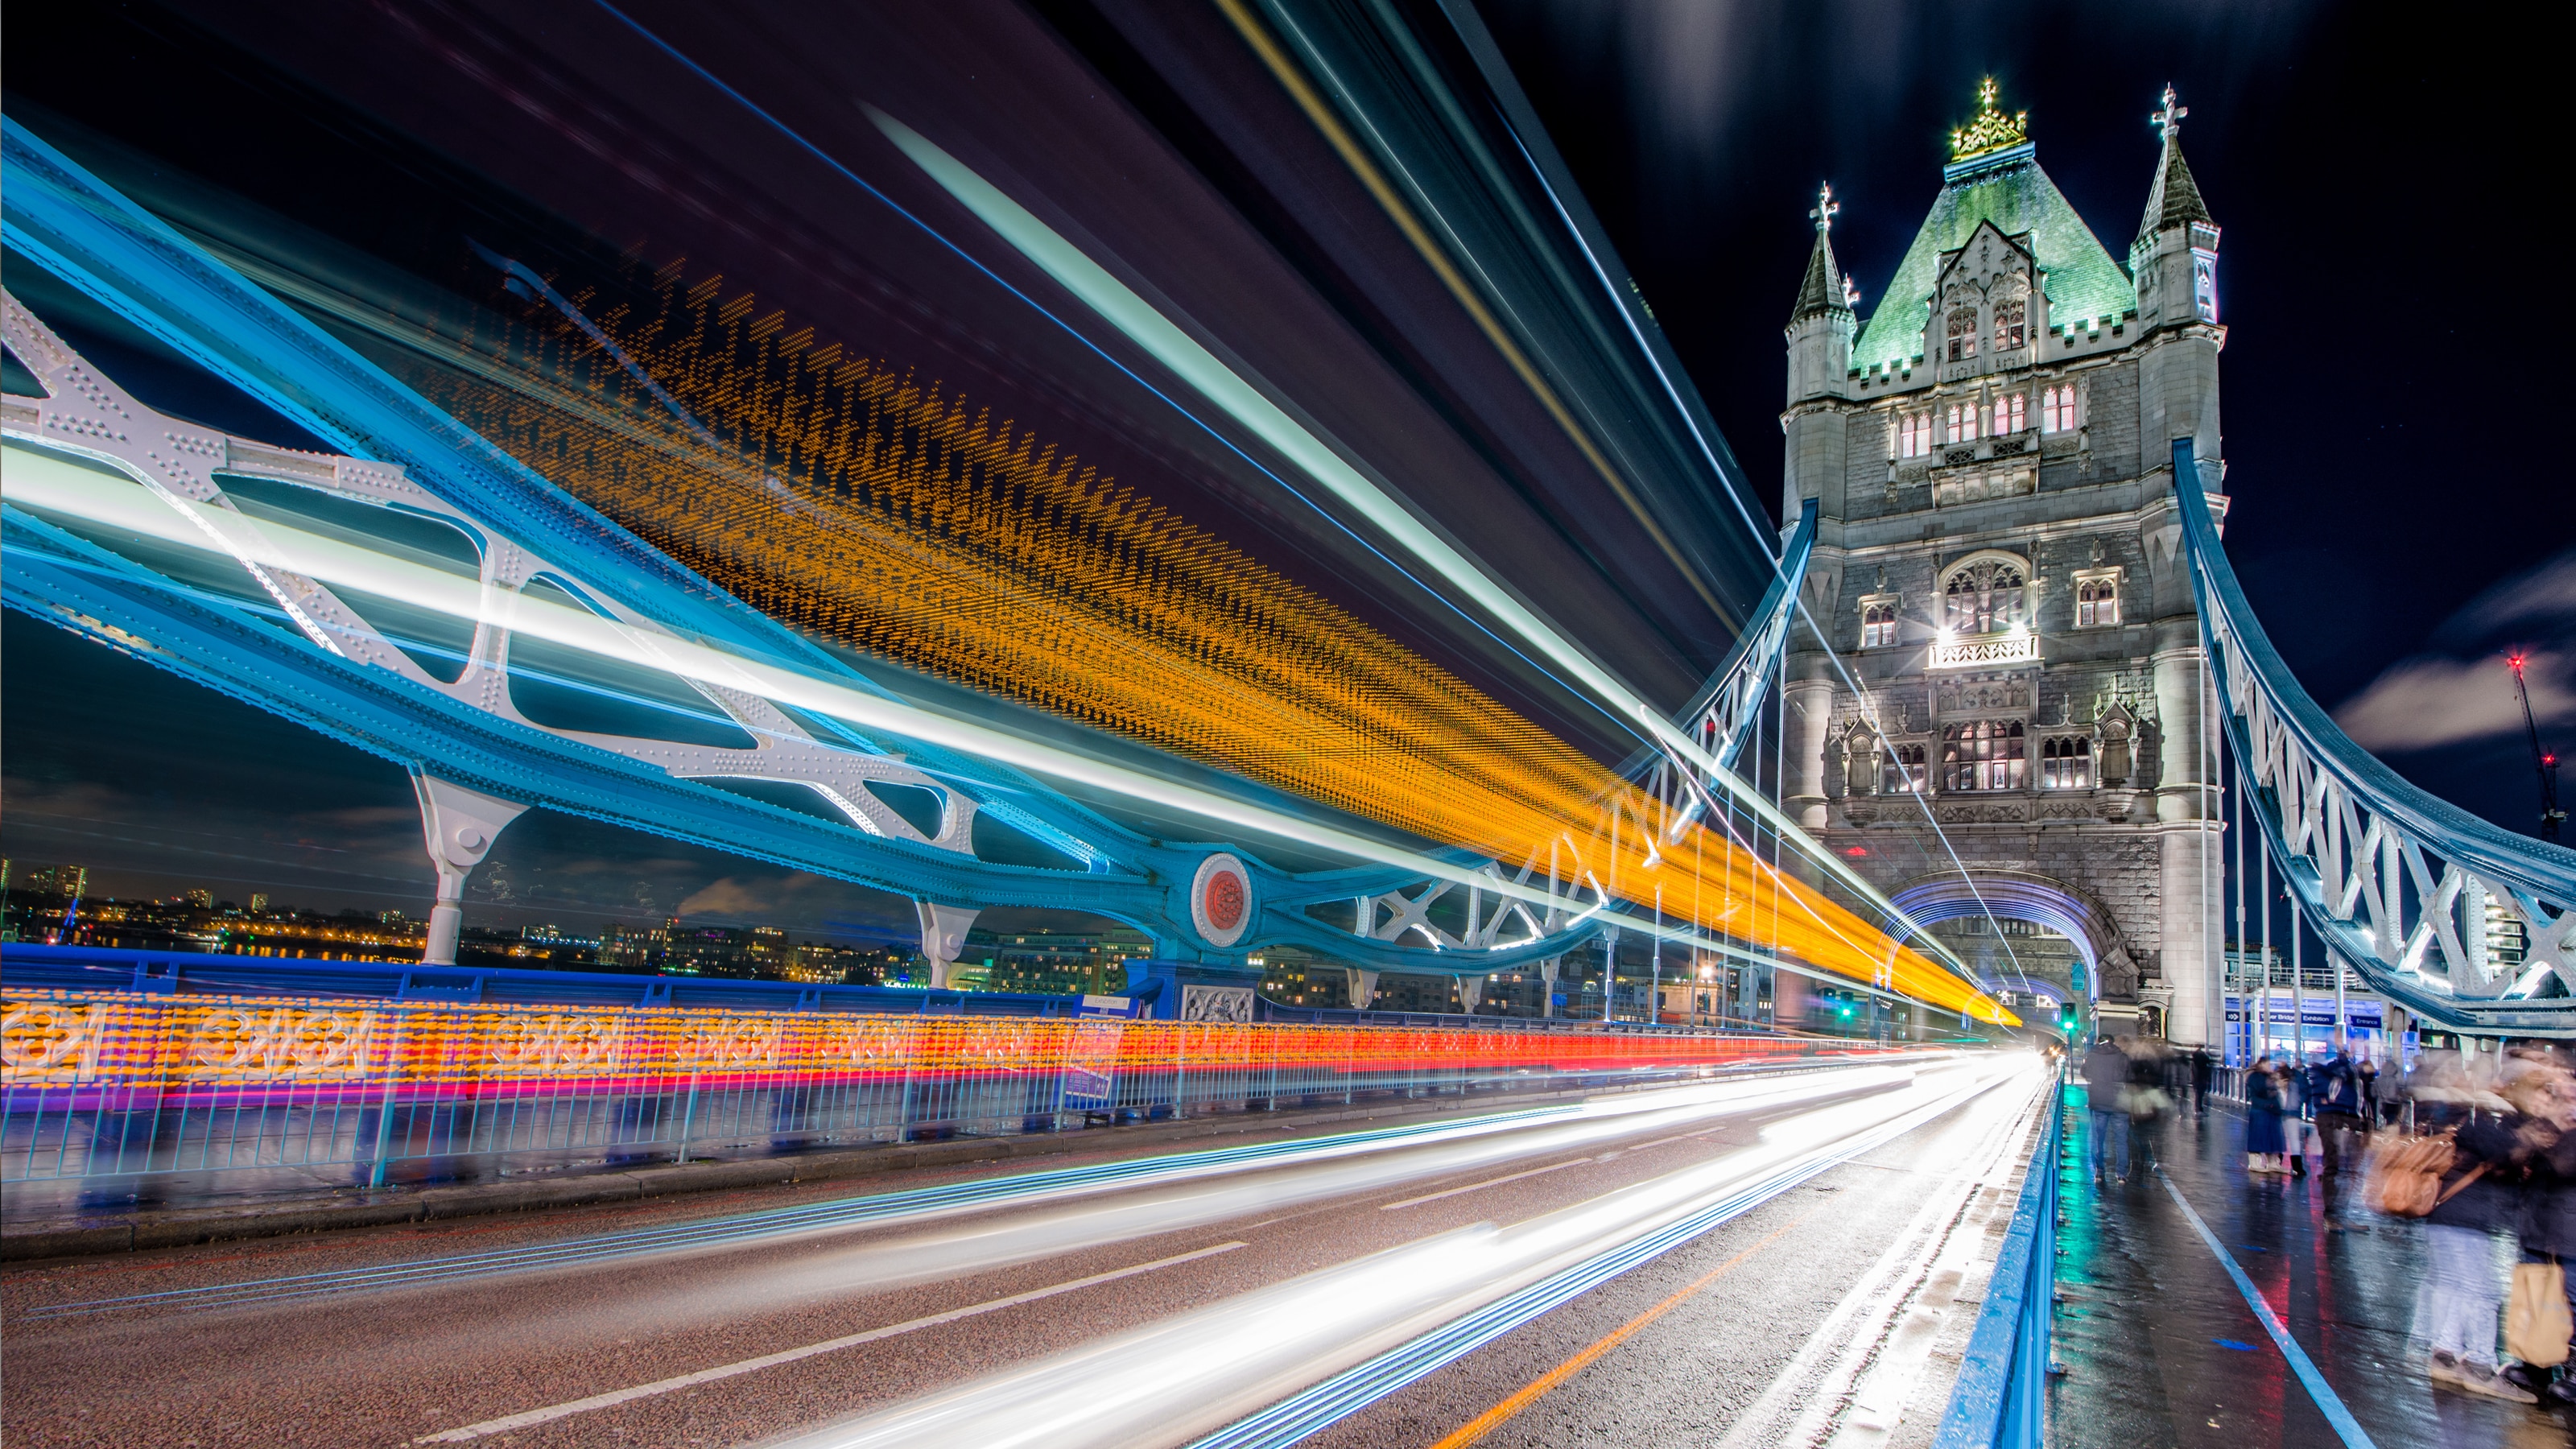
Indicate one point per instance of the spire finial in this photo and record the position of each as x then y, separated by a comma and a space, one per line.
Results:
2168, 122
1991, 130
1826, 206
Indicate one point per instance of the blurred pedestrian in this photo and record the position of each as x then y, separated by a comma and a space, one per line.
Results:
2106, 1076
2145, 1097
2547, 1101
2204, 1076
2337, 1084
2478, 1198
2264, 1143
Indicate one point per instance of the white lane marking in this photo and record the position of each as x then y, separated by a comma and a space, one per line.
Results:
1880, 1399
1535, 1171
1819, 1377
1389, 1207
772, 1360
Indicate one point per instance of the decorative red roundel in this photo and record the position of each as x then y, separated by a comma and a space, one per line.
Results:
1224, 900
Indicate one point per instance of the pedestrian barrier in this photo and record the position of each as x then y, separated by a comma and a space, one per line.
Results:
102, 1086
2001, 1398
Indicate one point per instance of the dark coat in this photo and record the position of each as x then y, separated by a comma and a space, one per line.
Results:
2493, 1200
2263, 1116
2335, 1086
2106, 1071
2549, 1200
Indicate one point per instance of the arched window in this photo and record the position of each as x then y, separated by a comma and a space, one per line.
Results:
2066, 763
1903, 772
1986, 597
2097, 602
1963, 422
2011, 414
1914, 435
1962, 332
2057, 409
2010, 332
1984, 754
1877, 625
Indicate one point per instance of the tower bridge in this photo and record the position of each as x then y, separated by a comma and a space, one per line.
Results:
1475, 674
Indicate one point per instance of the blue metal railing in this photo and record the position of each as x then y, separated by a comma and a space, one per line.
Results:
286, 1075
2001, 1399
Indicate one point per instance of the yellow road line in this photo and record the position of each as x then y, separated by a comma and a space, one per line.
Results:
1494, 1418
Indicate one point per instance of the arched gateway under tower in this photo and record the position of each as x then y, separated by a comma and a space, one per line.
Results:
2014, 654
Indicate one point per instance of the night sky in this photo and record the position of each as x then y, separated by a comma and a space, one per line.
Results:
2400, 505
2400, 509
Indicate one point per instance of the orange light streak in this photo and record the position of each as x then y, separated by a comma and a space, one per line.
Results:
889, 515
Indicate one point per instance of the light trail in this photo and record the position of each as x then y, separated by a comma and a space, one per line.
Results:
1148, 328
1823, 933
1408, 1153
1281, 1362
1178, 351
552, 1412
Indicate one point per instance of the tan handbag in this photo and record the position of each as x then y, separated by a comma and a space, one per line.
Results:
2536, 1325
2405, 1177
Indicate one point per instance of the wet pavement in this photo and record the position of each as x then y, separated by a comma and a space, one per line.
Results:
2161, 1348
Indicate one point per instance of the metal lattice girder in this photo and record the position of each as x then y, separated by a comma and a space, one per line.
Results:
300, 650
2393, 879
1720, 718
297, 645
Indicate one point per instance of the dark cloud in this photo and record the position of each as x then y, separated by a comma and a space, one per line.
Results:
2465, 692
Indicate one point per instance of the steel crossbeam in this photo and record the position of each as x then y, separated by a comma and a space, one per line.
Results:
2393, 879
295, 643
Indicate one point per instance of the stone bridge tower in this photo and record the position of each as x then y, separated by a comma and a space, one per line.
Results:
2013, 650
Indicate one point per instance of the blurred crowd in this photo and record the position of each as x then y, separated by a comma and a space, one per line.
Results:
2494, 1130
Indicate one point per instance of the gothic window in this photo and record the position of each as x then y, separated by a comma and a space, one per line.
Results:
1963, 422
1962, 332
1914, 435
1986, 597
2057, 409
1877, 623
2011, 414
1984, 754
2097, 599
2010, 331
2066, 763
1903, 772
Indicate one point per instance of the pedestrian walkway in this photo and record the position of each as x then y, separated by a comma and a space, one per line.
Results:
2162, 1348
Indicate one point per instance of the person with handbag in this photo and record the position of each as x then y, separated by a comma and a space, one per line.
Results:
2541, 1312
2476, 1198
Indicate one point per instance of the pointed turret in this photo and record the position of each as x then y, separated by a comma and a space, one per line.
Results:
2175, 258
2174, 200
2175, 261
1820, 325
1824, 289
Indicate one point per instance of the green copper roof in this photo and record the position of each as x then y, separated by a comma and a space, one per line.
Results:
2081, 280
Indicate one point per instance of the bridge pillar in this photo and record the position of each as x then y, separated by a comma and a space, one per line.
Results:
1363, 987
2190, 880
943, 936
459, 826
1471, 991
1811, 710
